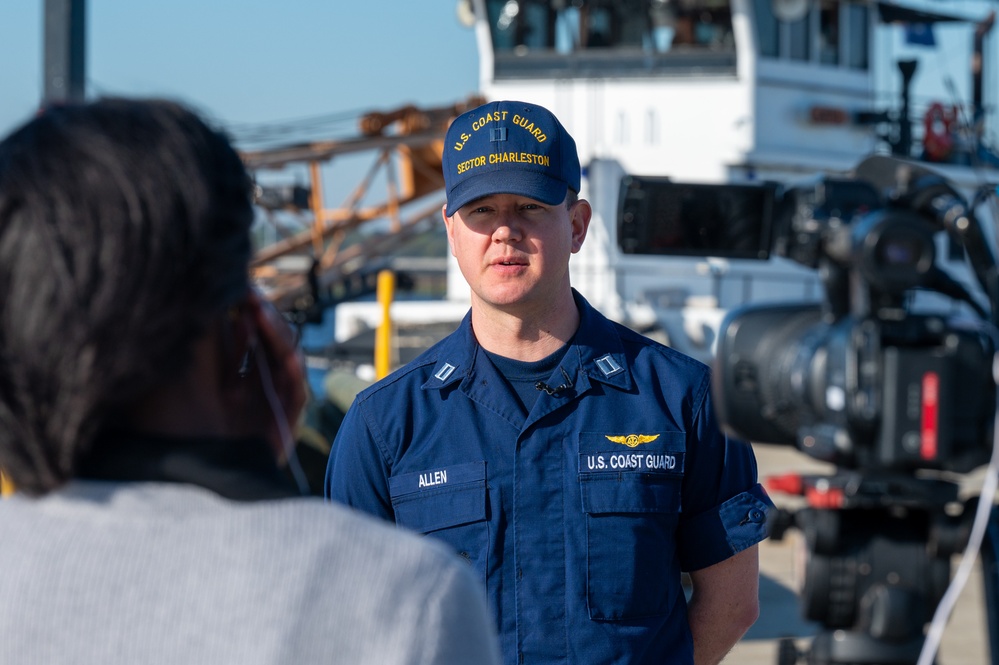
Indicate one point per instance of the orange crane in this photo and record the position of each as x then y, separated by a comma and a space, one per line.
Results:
407, 144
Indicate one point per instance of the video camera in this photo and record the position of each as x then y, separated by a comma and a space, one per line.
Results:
893, 394
861, 380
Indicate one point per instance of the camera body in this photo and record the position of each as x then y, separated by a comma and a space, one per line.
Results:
862, 380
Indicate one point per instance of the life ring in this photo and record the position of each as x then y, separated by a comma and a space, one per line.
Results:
938, 132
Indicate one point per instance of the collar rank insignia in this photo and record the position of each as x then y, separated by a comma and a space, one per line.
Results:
633, 440
444, 372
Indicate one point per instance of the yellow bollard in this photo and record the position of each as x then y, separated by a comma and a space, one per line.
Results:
383, 335
6, 487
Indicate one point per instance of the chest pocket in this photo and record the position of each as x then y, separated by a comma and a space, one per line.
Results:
630, 490
448, 503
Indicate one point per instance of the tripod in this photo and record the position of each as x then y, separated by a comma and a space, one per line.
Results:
878, 551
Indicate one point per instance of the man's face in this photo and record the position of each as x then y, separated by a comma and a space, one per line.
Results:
514, 251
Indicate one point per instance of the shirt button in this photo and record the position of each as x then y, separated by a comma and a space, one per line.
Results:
757, 516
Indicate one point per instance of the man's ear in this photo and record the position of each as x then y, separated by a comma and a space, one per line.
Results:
449, 226
581, 213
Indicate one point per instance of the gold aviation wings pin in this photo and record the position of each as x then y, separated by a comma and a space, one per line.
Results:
632, 440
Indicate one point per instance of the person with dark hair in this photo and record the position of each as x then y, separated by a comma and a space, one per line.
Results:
577, 465
147, 394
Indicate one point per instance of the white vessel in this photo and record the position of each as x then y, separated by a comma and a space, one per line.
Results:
726, 96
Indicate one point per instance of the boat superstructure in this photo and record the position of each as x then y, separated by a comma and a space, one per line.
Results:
685, 111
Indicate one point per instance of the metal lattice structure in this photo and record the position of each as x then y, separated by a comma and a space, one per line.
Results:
298, 272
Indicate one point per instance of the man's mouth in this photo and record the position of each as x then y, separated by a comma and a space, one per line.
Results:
509, 262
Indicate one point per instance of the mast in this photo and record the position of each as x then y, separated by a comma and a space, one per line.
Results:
65, 37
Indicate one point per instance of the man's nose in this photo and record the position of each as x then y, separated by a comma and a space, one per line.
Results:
507, 228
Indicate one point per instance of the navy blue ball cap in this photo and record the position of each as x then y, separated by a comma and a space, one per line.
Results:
508, 147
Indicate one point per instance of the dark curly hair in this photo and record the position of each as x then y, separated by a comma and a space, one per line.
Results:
124, 229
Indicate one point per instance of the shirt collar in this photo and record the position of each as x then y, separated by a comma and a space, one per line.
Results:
596, 348
455, 357
601, 354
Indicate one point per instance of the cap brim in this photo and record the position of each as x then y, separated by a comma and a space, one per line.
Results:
531, 184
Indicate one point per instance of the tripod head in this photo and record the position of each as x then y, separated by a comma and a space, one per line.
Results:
877, 561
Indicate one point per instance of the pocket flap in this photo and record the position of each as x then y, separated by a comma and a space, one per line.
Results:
440, 498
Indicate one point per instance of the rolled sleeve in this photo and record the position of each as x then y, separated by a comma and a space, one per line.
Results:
716, 534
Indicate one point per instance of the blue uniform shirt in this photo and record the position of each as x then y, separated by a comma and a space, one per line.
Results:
579, 517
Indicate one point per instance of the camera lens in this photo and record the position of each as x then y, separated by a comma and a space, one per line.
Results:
899, 251
894, 250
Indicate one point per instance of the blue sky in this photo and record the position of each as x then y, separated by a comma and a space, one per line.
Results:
252, 61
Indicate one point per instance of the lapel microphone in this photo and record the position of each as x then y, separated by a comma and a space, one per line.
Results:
554, 392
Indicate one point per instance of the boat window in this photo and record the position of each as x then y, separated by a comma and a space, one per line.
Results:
799, 34
661, 217
831, 33
609, 37
767, 29
857, 23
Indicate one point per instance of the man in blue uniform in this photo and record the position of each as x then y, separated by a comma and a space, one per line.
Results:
576, 465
